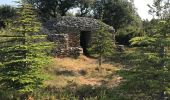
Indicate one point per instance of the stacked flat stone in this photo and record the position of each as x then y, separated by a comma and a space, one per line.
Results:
61, 41
67, 24
74, 52
65, 32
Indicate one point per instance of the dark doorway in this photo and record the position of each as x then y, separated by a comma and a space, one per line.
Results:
2, 24
84, 41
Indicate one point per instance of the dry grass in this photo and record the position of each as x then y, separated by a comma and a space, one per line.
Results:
82, 71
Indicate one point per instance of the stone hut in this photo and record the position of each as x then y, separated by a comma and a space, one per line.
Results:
72, 34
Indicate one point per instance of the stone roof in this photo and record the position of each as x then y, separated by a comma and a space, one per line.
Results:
67, 24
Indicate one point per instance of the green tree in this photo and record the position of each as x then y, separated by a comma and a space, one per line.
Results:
117, 13
23, 53
122, 15
102, 43
52, 8
149, 26
149, 75
6, 12
85, 7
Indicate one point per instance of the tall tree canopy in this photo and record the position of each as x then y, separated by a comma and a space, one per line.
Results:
51, 8
85, 7
122, 15
149, 79
117, 13
6, 12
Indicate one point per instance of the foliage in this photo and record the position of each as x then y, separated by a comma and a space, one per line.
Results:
149, 27
125, 34
85, 92
122, 15
148, 77
23, 53
117, 13
51, 9
102, 43
160, 8
6, 12
85, 7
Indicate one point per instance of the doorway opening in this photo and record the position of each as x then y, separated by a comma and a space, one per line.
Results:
85, 37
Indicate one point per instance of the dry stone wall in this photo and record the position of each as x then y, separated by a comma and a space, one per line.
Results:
63, 48
61, 43
65, 32
74, 39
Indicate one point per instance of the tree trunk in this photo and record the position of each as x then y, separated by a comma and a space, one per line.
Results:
100, 62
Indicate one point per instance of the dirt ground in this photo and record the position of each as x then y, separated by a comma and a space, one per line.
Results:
82, 71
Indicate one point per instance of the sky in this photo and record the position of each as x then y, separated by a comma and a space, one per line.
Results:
10, 2
141, 6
